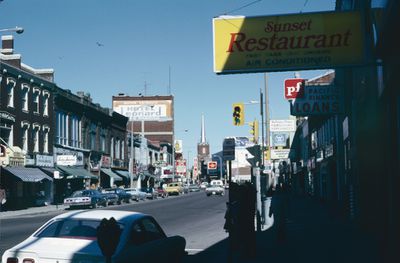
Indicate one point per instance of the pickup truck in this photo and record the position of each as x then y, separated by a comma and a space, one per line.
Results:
174, 189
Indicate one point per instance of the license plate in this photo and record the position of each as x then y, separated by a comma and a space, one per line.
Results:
213, 193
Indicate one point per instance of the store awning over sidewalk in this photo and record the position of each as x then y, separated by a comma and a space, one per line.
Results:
76, 172
30, 175
111, 174
124, 174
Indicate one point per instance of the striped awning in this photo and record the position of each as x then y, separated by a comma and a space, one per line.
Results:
111, 174
31, 175
76, 172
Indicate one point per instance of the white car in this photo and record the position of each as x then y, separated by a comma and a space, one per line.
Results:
215, 190
72, 237
136, 194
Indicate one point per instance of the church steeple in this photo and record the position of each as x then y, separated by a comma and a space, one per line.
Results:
203, 131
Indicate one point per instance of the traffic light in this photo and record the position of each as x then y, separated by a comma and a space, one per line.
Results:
238, 114
254, 131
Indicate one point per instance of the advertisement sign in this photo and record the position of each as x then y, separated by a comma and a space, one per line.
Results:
180, 167
44, 160
280, 138
282, 125
105, 161
178, 146
294, 88
66, 152
318, 100
279, 154
66, 160
212, 165
147, 110
287, 42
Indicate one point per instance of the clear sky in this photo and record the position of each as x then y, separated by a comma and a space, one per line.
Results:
121, 46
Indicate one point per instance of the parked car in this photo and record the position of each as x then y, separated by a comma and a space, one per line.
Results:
174, 188
151, 193
112, 199
71, 237
161, 192
215, 190
123, 196
86, 198
137, 194
203, 185
194, 188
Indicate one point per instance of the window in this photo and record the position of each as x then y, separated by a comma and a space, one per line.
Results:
35, 136
36, 95
117, 149
25, 127
93, 129
46, 130
46, 96
24, 96
10, 92
112, 148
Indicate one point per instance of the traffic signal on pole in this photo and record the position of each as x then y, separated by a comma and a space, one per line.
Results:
254, 131
238, 114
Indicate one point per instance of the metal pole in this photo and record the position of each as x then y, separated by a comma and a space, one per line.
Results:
266, 111
262, 129
131, 159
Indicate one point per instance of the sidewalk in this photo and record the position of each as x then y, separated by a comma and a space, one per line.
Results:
313, 234
32, 211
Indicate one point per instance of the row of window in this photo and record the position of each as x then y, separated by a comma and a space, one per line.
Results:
69, 132
36, 95
37, 131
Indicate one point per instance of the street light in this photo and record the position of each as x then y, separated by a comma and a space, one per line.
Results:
17, 29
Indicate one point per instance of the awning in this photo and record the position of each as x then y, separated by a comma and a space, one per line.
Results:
124, 174
110, 173
76, 172
30, 175
50, 171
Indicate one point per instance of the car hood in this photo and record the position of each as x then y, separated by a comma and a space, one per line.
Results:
58, 248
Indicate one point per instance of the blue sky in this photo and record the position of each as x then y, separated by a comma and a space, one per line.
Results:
140, 41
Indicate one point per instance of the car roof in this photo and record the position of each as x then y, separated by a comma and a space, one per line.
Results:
99, 214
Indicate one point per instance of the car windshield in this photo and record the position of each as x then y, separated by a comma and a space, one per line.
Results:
72, 228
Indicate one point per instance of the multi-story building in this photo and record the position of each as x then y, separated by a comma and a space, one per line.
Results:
26, 128
90, 141
151, 123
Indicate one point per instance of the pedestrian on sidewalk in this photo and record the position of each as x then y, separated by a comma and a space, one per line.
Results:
279, 209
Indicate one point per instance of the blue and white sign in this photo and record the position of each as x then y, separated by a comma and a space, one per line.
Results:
279, 138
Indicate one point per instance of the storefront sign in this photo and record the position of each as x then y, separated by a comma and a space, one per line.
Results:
44, 160
106, 161
180, 167
287, 42
279, 154
282, 125
67, 152
294, 88
318, 100
66, 160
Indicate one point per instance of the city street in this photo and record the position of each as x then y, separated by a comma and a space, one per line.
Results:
194, 216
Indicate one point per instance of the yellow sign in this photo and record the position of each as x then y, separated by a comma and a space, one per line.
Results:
287, 42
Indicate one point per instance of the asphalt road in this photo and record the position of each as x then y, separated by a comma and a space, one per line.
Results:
195, 216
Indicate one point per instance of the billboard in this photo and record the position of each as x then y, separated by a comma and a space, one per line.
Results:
146, 110
287, 42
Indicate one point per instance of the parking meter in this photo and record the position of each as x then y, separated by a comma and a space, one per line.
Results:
108, 234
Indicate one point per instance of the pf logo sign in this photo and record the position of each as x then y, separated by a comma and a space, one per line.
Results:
294, 88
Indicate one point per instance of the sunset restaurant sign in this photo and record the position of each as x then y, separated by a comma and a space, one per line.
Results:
287, 42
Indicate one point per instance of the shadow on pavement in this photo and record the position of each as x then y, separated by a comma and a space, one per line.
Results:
312, 234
